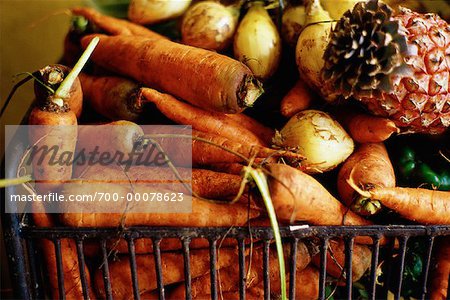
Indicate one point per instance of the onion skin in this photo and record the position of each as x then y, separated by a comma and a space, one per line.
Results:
337, 8
257, 42
311, 45
154, 11
209, 25
293, 21
318, 137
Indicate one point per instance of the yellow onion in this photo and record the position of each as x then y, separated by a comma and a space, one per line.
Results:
337, 8
257, 42
318, 137
154, 11
293, 21
209, 25
311, 44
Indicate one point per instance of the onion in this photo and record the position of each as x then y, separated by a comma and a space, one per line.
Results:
336, 8
312, 43
318, 137
257, 42
154, 11
209, 25
293, 21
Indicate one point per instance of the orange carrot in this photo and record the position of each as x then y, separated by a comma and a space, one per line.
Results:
297, 99
113, 97
264, 133
368, 166
416, 204
206, 79
172, 270
365, 128
336, 260
204, 213
298, 196
205, 183
440, 276
206, 149
113, 26
205, 121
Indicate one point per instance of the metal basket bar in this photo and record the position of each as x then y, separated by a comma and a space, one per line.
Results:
33, 270
293, 268
187, 268
158, 268
59, 268
427, 267
323, 268
403, 244
105, 270
257, 232
266, 268
242, 280
373, 267
388, 262
349, 266
134, 278
82, 265
213, 269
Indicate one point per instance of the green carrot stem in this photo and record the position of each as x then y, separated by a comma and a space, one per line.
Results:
261, 182
14, 181
63, 90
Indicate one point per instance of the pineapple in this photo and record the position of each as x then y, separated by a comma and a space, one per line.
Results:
397, 65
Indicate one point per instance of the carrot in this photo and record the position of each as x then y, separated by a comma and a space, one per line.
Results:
368, 166
297, 99
230, 168
228, 278
113, 26
205, 183
264, 133
440, 276
172, 270
204, 213
365, 128
113, 97
206, 79
208, 149
416, 204
298, 196
336, 260
54, 113
199, 119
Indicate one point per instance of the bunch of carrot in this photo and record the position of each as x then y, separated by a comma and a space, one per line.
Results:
140, 77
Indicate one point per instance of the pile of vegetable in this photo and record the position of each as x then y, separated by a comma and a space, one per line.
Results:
285, 130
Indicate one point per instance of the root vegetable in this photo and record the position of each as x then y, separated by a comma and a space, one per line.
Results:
336, 260
315, 135
293, 20
368, 166
154, 11
172, 270
297, 99
298, 196
203, 78
257, 42
205, 121
416, 204
367, 129
264, 133
209, 25
311, 44
204, 213
440, 276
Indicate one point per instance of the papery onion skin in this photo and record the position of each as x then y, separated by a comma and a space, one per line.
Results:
317, 136
209, 25
257, 42
293, 20
148, 12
